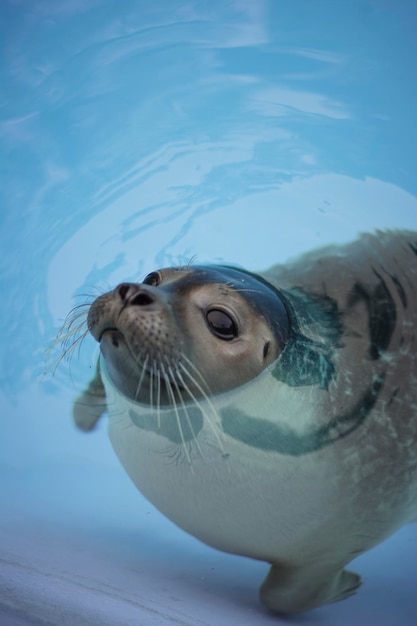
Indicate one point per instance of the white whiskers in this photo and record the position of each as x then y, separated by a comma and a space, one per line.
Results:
176, 384
70, 336
214, 427
185, 409
174, 404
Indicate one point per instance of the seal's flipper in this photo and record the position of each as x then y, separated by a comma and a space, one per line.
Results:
289, 589
91, 404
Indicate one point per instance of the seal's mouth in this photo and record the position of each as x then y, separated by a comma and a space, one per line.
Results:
145, 379
116, 335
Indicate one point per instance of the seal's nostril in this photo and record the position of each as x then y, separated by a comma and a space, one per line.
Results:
123, 290
131, 293
142, 299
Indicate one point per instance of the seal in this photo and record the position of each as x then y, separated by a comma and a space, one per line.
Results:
271, 415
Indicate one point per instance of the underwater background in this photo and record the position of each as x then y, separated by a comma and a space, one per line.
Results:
142, 134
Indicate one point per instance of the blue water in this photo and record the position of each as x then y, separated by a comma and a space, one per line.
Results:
136, 135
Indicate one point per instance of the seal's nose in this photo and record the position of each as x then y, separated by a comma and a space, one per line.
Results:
136, 295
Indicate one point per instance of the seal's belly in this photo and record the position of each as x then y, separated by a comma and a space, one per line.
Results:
232, 502
237, 498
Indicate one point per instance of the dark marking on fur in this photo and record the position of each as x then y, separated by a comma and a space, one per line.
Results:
316, 331
273, 437
400, 290
382, 314
413, 247
393, 396
191, 422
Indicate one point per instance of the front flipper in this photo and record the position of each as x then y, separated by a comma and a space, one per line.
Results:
289, 589
91, 404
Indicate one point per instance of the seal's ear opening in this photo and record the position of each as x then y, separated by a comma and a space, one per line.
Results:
91, 404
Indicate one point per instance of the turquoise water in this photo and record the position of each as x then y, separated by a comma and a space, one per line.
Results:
140, 134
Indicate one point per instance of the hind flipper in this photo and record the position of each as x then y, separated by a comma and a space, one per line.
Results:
289, 589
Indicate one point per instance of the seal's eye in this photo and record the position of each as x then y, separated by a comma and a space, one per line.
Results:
153, 279
221, 324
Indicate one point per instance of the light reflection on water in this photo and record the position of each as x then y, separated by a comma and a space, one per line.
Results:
138, 135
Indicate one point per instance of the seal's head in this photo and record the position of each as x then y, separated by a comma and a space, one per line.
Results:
189, 332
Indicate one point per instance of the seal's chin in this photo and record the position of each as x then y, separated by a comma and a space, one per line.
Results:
140, 378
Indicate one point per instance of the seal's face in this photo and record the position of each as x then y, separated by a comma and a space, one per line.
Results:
187, 333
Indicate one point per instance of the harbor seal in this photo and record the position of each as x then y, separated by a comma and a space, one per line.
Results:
271, 415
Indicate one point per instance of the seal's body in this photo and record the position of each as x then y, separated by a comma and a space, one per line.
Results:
273, 415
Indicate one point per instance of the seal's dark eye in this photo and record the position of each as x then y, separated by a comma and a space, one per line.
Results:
221, 324
153, 279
